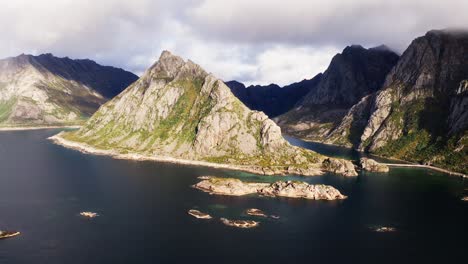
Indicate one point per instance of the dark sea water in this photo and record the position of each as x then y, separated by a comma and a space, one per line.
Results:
143, 208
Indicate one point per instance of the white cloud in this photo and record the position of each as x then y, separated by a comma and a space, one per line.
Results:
255, 41
335, 22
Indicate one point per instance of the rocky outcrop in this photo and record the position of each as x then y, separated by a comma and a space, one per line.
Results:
291, 189
46, 90
198, 214
178, 110
240, 223
372, 165
272, 99
352, 75
256, 212
344, 167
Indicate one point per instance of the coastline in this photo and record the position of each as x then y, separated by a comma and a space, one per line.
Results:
84, 148
427, 167
36, 127
404, 163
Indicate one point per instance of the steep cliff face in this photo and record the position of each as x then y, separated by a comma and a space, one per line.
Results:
46, 90
272, 99
353, 74
176, 109
420, 114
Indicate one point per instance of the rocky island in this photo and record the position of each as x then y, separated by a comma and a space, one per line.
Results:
198, 214
240, 223
384, 229
89, 214
372, 165
177, 112
291, 189
8, 234
256, 212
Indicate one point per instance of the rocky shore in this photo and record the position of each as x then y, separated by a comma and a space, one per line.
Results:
84, 148
339, 166
20, 128
290, 189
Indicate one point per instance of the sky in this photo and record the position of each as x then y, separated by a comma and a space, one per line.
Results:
252, 41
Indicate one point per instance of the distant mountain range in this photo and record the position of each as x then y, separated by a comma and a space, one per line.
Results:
272, 99
45, 90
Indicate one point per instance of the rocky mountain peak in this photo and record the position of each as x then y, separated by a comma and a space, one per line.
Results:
170, 67
433, 65
352, 74
177, 110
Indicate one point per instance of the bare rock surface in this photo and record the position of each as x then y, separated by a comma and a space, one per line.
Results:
339, 166
198, 214
240, 223
256, 212
372, 165
291, 189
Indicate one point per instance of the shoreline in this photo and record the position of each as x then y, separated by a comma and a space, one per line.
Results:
84, 148
19, 128
427, 167
404, 163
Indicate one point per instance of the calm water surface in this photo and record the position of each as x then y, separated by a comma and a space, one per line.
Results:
143, 208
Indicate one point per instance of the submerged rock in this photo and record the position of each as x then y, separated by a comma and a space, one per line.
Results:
198, 214
372, 165
240, 223
291, 189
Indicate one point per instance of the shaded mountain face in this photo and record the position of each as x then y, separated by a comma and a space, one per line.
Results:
352, 75
106, 80
46, 90
272, 99
176, 109
420, 114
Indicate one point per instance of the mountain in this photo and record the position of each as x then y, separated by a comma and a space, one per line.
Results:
46, 90
351, 75
420, 114
177, 110
272, 99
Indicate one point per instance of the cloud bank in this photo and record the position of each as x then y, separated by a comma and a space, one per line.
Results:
256, 41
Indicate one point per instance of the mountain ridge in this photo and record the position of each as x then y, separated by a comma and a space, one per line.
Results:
351, 75
47, 90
